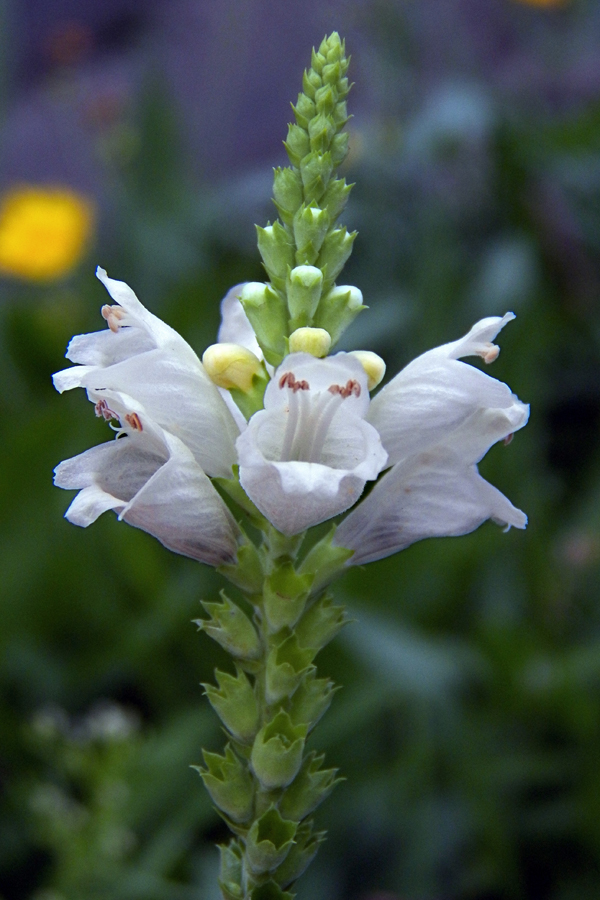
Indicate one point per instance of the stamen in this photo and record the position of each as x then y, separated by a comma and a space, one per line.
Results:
113, 316
134, 420
288, 380
351, 387
508, 439
488, 352
103, 410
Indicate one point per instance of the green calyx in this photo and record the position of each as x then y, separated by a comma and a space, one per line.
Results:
235, 703
277, 751
269, 841
230, 626
229, 784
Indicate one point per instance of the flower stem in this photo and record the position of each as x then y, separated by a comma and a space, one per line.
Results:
265, 785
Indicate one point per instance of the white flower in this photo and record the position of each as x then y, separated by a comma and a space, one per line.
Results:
307, 455
151, 479
437, 418
142, 356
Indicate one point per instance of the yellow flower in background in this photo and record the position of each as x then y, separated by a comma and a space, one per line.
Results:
43, 231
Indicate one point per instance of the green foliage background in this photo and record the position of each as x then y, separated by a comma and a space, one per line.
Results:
469, 723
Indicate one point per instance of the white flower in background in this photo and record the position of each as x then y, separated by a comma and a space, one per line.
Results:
437, 418
307, 455
151, 480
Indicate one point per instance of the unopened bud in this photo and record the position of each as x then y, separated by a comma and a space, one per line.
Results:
231, 366
373, 365
304, 292
315, 341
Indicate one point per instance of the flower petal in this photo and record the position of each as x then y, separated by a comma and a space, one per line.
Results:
436, 394
433, 494
156, 486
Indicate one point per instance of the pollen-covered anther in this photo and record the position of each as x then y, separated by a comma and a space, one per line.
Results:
113, 316
351, 387
104, 411
288, 380
489, 353
134, 421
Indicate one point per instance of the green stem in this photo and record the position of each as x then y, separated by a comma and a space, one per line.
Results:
266, 786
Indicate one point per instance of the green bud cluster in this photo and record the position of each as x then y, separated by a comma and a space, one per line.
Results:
265, 785
304, 253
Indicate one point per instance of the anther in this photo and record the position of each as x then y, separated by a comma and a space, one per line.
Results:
488, 353
288, 380
113, 315
133, 420
351, 387
103, 411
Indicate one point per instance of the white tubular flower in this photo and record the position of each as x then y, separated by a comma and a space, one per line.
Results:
307, 455
152, 481
143, 357
437, 419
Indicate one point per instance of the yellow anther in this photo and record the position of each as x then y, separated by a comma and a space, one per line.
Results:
373, 365
231, 366
315, 341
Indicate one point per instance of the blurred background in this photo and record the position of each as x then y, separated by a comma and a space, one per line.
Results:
141, 136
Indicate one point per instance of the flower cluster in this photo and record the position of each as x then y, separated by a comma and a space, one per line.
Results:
304, 455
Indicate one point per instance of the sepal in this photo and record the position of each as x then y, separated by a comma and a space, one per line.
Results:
247, 573
324, 561
277, 752
270, 891
338, 309
235, 704
316, 170
229, 784
267, 311
320, 623
286, 665
285, 596
269, 841
306, 844
336, 249
310, 787
335, 197
231, 871
297, 144
311, 700
230, 626
287, 193
310, 227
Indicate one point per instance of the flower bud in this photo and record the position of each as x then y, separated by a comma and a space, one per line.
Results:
373, 365
310, 228
231, 366
304, 292
276, 249
315, 341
